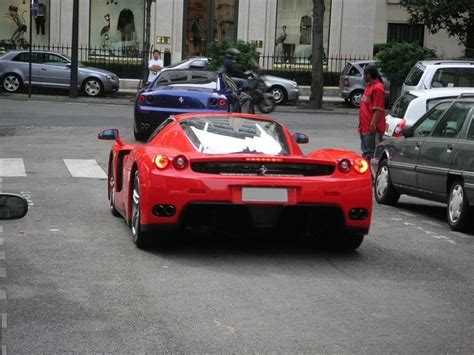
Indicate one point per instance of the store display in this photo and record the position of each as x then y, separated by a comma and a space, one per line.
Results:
126, 24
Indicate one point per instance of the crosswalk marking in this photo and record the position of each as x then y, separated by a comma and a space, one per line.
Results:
12, 167
85, 168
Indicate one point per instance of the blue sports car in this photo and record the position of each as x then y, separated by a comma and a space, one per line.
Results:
182, 91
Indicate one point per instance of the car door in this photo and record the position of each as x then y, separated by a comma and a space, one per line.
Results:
406, 151
437, 151
463, 157
55, 71
21, 61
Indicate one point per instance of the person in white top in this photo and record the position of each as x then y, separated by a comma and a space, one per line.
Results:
154, 66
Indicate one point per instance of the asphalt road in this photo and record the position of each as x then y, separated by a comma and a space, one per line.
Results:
72, 281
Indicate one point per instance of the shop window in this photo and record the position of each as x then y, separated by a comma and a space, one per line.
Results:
15, 21
403, 32
206, 22
294, 30
116, 27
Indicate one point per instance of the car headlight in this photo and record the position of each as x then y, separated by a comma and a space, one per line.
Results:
111, 77
294, 84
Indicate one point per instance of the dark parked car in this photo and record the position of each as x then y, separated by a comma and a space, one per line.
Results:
434, 161
52, 70
182, 91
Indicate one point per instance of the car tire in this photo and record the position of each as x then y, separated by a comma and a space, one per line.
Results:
93, 87
459, 212
12, 83
384, 190
355, 98
140, 238
279, 93
139, 135
111, 181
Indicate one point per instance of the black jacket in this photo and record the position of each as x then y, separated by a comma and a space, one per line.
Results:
231, 69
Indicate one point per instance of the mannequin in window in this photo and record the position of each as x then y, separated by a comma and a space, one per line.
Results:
40, 19
126, 24
279, 42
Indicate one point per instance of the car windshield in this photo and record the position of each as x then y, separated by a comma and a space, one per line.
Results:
234, 135
415, 75
187, 78
401, 105
177, 64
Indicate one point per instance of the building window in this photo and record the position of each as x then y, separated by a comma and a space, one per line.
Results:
403, 32
294, 30
206, 22
14, 22
117, 26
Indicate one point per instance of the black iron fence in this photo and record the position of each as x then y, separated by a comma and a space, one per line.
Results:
128, 62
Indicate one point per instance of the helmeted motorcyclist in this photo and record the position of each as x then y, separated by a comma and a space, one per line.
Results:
231, 68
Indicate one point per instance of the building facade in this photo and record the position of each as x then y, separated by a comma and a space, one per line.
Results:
189, 27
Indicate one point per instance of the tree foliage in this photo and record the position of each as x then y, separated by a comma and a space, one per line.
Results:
454, 16
397, 58
247, 52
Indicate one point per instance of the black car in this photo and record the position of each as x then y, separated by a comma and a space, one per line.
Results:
434, 161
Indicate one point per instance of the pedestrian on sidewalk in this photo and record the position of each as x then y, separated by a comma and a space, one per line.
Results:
154, 66
372, 112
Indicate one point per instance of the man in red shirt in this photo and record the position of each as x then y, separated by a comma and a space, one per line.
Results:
372, 112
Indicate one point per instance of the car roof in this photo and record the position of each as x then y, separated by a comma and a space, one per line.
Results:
187, 116
441, 92
463, 62
358, 62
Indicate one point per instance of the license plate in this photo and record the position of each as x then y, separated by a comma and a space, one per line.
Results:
262, 194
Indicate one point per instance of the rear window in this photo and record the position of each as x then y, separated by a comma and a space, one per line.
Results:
401, 105
185, 78
234, 135
346, 69
25, 58
466, 77
433, 102
415, 75
351, 70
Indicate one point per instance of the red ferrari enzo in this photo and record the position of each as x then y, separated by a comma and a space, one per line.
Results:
237, 172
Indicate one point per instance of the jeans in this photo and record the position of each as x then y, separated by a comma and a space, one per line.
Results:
368, 142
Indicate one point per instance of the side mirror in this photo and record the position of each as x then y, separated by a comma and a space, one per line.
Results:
110, 135
12, 207
301, 138
408, 131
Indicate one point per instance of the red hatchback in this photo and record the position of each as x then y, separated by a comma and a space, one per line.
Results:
237, 172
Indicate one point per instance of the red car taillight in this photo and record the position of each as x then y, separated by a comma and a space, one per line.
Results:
344, 166
361, 166
222, 102
397, 132
162, 162
180, 162
144, 99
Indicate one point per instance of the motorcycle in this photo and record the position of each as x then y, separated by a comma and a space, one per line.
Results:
256, 93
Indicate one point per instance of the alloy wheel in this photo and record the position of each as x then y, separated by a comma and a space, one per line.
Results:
381, 183
278, 95
92, 88
136, 208
456, 201
11, 83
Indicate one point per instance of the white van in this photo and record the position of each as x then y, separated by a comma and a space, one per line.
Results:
429, 74
413, 104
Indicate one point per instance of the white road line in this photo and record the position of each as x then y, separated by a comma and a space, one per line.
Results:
3, 272
12, 167
85, 168
2, 241
408, 214
3, 295
4, 350
431, 223
1, 229
4, 321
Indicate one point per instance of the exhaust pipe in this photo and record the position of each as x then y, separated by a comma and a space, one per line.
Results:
164, 210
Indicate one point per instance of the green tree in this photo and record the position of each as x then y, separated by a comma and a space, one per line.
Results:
247, 52
317, 56
397, 58
454, 16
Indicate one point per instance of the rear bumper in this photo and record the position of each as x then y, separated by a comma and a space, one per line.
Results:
218, 201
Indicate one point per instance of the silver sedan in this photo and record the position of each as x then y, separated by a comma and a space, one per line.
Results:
52, 70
